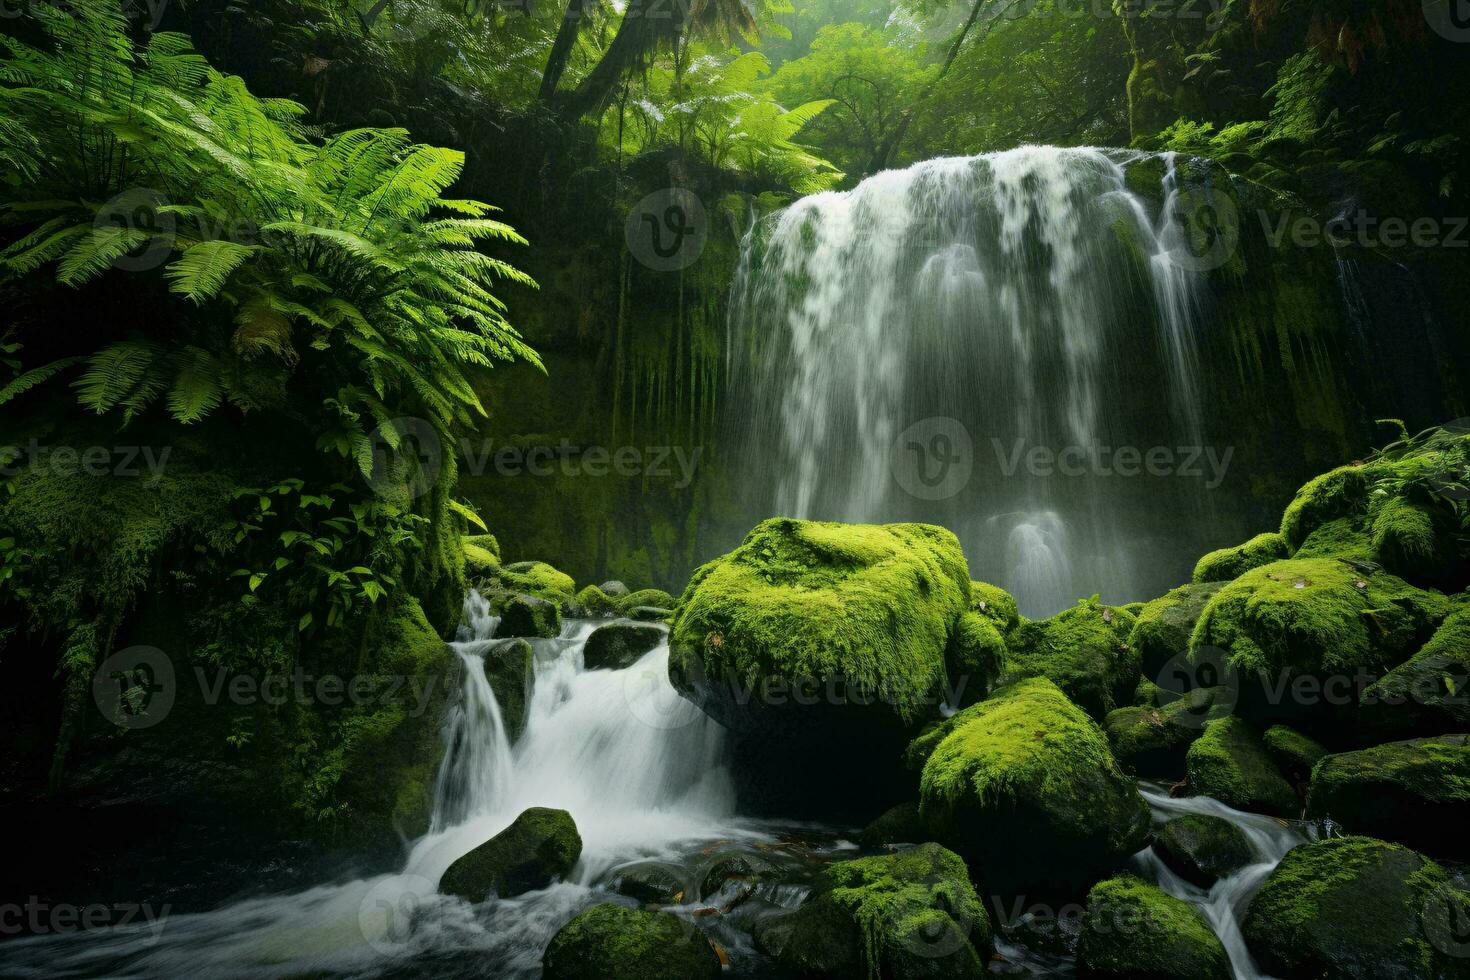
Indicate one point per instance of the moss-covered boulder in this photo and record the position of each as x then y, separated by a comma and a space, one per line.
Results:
1319, 617
657, 598
1202, 849
1416, 538
594, 601
1163, 628
539, 847
1229, 762
1134, 931
510, 669
995, 604
1084, 651
1231, 563
1339, 493
1354, 908
1415, 792
975, 659
1024, 786
897, 825
610, 940
650, 614
619, 645
1294, 753
823, 648
536, 578
909, 914
529, 616
481, 557
1429, 693
649, 882
1152, 741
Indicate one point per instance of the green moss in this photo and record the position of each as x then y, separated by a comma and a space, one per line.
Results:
873, 605
540, 846
1414, 540
481, 555
1339, 493
1203, 849
595, 602
1416, 792
1152, 741
1084, 651
891, 913
619, 645
897, 825
1134, 930
1229, 763
536, 578
510, 669
996, 604
655, 598
1029, 760
528, 615
1294, 753
1356, 907
1147, 694
977, 652
1162, 630
1229, 563
1431, 691
1346, 537
611, 940
1317, 615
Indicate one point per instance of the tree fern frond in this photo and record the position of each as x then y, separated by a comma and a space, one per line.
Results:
204, 269
196, 390
35, 376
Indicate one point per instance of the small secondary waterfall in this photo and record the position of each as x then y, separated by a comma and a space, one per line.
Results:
992, 343
1225, 903
639, 768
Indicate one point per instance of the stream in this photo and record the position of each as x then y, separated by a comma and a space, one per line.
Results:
640, 770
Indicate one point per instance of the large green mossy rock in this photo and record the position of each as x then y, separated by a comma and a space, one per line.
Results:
1229, 763
510, 669
610, 940
1339, 493
1084, 651
1319, 618
907, 915
1132, 930
481, 557
1024, 786
536, 578
900, 824
1354, 908
1429, 693
1231, 563
539, 847
593, 601
619, 645
1294, 753
654, 598
1163, 627
975, 659
1415, 792
1152, 740
1203, 849
996, 604
823, 648
529, 616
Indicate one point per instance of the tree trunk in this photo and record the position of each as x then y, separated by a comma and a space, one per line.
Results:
645, 24
561, 47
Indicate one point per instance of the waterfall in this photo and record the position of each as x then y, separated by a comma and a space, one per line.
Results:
959, 315
1223, 904
639, 768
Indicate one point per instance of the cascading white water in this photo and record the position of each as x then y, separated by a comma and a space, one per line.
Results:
639, 768
1224, 903
1027, 299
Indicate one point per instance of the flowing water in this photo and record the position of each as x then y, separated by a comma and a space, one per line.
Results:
1224, 903
966, 342
640, 769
